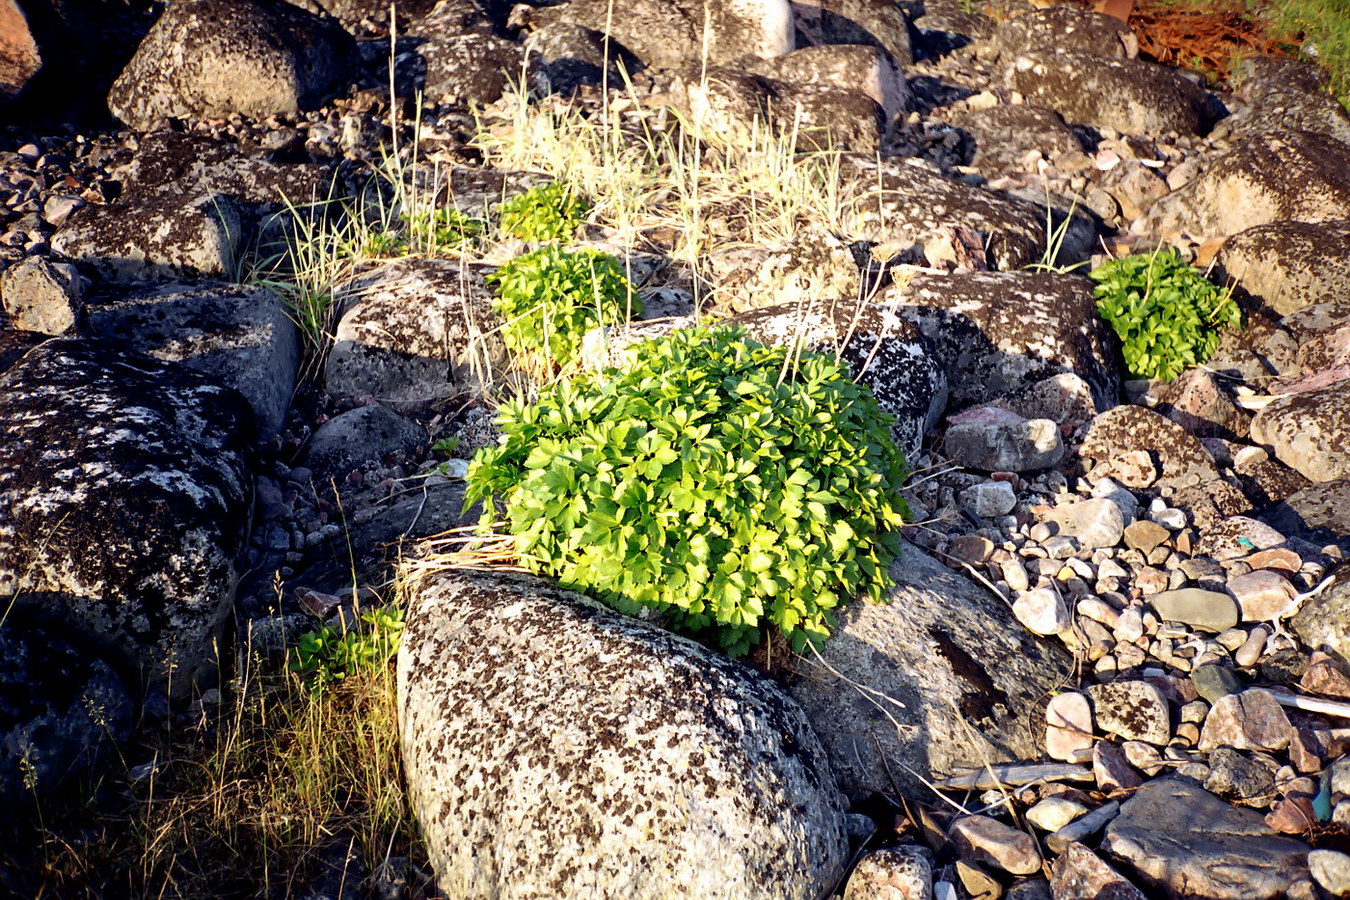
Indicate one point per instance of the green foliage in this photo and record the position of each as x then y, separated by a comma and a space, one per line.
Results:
728, 484
551, 297
445, 446
1166, 313
548, 213
329, 654
446, 228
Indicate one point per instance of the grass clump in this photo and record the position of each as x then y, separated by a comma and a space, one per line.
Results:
1165, 312
551, 297
549, 213
729, 485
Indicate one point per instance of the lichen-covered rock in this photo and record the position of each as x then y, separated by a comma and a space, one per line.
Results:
472, 67
554, 748
1322, 333
892, 201
1199, 402
1283, 104
812, 267
969, 677
1323, 623
20, 58
671, 34
1309, 431
1004, 135
160, 235
1124, 94
1000, 332
61, 710
1285, 176
878, 23
352, 13
566, 56
860, 68
361, 436
124, 499
416, 331
217, 57
43, 296
1065, 28
243, 337
1179, 458
1286, 266
1317, 512
473, 190
883, 352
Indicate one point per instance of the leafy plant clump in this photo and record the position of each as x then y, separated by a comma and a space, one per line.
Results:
551, 297
1165, 312
549, 213
730, 485
327, 654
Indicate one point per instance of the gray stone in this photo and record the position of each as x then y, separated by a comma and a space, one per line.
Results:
1323, 623
666, 768
242, 337
1042, 611
892, 873
1280, 177
876, 23
812, 271
1309, 431
1286, 266
989, 499
124, 501
1128, 95
1203, 610
1134, 710
416, 331
1093, 523
1239, 779
941, 645
1331, 870
1214, 681
1004, 135
1319, 513
1005, 446
1080, 874
472, 68
1184, 841
217, 57
565, 56
1180, 457
1066, 28
989, 841
1001, 332
42, 296
1084, 827
359, 437
1274, 104
1112, 770
852, 67
1250, 720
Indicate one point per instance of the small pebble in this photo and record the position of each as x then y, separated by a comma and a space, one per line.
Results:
1252, 648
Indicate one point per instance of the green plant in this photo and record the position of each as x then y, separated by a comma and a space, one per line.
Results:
551, 297
727, 484
550, 212
330, 654
1165, 312
445, 228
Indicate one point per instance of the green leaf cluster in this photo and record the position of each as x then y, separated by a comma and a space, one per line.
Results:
330, 654
729, 485
549, 213
447, 228
1165, 312
551, 297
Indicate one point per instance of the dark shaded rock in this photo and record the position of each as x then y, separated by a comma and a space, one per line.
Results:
352, 13
1309, 431
1185, 842
362, 436
1237, 778
14, 344
968, 675
566, 56
1280, 104
1286, 266
860, 68
1004, 135
666, 768
941, 26
1065, 28
124, 499
1268, 482
1319, 513
1209, 503
1261, 348
1179, 457
997, 333
1323, 623
243, 337
1125, 94
1198, 401
877, 23
1276, 177
217, 57
474, 67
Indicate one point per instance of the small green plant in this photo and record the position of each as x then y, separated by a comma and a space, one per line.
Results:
1165, 312
445, 446
445, 228
551, 297
329, 654
549, 213
730, 485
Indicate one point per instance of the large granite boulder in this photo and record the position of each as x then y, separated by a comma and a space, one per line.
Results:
554, 748
217, 57
1000, 332
1286, 266
1285, 176
966, 678
1285, 101
1177, 458
859, 68
1065, 28
124, 500
877, 23
1309, 431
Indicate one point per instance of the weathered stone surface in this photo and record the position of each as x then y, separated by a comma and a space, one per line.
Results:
124, 497
1080, 874
1066, 28
1185, 841
1004, 135
1053, 813
892, 873
813, 267
242, 337
564, 56
362, 436
1250, 720
672, 34
1323, 623
1179, 456
216, 57
1321, 510
1198, 401
941, 646
1322, 332
473, 67
352, 13
1237, 778
1237, 536
1068, 726
899, 203
665, 768
1112, 770
860, 68
61, 710
415, 331
998, 333
1309, 431
1203, 610
20, 58
1063, 398
1331, 870
1042, 611
1278, 177
42, 296
1134, 710
1262, 595
1124, 94
1005, 446
14, 344
1281, 104
1286, 266
987, 840
1094, 523
161, 235
876, 23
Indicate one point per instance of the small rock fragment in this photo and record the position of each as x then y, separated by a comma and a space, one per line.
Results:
989, 841
1214, 681
1251, 720
1079, 874
894, 873
1331, 870
1111, 769
1053, 813
1041, 611
1068, 726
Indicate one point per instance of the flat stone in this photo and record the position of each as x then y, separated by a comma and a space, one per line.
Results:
1262, 595
1068, 726
989, 841
990, 498
1251, 720
1082, 828
1005, 447
1080, 874
1093, 523
1145, 535
892, 873
1111, 770
1202, 610
1134, 710
1182, 839
1053, 813
1042, 611
1214, 681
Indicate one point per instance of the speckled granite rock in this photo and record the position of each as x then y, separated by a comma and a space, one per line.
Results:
812, 267
997, 333
473, 67
216, 57
1178, 456
1324, 621
1309, 431
1286, 266
942, 645
852, 67
1319, 512
1003, 135
878, 23
1065, 28
124, 498
555, 748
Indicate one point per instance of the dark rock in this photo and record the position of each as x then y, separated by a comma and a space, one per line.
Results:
474, 68
1066, 28
1269, 482
860, 68
877, 23
352, 13
362, 436
1319, 513
1004, 135
124, 495
666, 768
14, 344
1286, 266
1237, 778
566, 56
